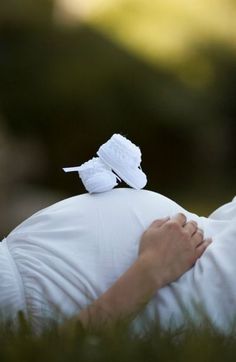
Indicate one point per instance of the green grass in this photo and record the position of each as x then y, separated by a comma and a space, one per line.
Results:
75, 344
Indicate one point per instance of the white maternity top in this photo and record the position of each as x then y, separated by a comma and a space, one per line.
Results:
65, 256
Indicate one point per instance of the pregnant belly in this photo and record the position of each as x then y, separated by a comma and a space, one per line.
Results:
70, 253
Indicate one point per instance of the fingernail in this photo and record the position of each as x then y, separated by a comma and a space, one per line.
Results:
178, 215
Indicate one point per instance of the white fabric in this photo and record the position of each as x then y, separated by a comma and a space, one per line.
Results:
65, 256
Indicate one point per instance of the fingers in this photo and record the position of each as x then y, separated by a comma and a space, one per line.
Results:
198, 237
202, 247
160, 222
180, 219
191, 227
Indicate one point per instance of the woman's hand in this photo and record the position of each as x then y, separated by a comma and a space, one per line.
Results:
169, 247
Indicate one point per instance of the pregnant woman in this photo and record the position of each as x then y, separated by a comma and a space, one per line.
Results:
91, 250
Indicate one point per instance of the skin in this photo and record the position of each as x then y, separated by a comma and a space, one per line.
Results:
168, 248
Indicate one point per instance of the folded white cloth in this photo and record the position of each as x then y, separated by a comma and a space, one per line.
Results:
225, 212
65, 256
11, 287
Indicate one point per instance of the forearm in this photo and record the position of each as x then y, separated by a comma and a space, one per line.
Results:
167, 250
123, 300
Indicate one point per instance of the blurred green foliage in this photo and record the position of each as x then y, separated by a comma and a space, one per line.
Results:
72, 87
75, 344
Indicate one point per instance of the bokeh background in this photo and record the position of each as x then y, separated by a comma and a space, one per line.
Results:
73, 72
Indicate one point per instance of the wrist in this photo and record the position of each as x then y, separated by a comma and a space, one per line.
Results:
125, 298
152, 273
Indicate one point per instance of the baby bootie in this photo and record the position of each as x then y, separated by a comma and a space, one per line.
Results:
124, 158
95, 175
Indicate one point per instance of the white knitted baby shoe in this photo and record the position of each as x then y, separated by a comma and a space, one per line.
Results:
124, 158
95, 175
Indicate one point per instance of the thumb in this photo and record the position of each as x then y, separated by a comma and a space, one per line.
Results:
159, 222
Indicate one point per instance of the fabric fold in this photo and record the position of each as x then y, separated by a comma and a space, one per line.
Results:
12, 298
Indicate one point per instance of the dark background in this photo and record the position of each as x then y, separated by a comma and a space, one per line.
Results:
64, 90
